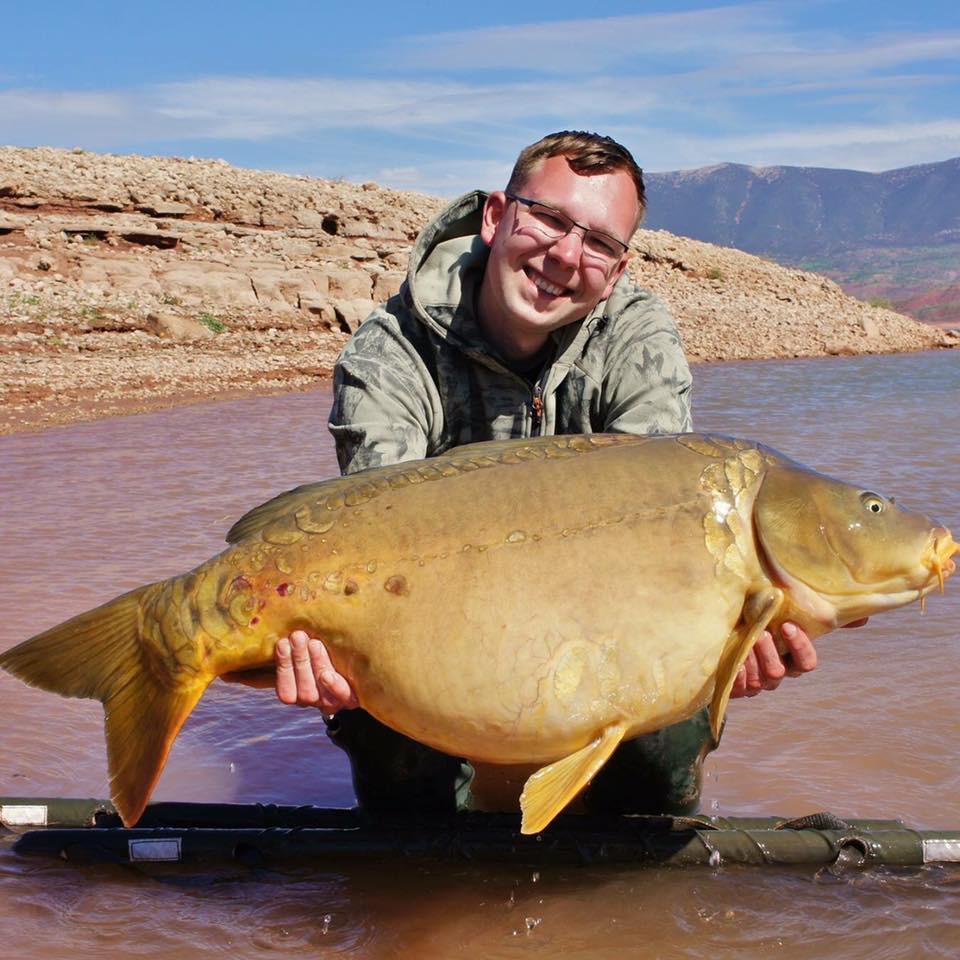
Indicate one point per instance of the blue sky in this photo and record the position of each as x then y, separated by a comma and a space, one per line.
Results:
439, 98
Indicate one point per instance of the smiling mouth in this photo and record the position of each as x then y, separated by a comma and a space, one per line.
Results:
543, 284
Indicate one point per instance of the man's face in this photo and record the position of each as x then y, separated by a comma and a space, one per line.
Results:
534, 285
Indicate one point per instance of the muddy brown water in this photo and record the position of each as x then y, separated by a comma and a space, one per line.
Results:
94, 509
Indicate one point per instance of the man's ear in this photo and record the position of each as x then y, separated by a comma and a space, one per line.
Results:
617, 273
493, 211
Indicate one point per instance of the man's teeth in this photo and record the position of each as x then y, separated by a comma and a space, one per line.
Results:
546, 286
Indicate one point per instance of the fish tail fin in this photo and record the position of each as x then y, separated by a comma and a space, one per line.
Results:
99, 654
143, 719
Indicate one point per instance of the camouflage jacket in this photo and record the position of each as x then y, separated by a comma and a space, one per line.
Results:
418, 377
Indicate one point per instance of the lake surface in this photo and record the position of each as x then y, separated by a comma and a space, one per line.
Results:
95, 509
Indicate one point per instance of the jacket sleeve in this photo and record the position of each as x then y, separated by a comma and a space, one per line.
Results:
384, 400
647, 381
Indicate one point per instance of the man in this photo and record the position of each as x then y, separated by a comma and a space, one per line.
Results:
517, 319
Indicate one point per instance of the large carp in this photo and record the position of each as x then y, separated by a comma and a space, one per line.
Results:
518, 602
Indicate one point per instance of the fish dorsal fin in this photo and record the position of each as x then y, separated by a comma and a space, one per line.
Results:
760, 608
551, 788
287, 505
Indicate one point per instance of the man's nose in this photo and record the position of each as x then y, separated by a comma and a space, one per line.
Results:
569, 248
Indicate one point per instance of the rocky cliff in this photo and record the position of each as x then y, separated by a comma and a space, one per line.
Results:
128, 283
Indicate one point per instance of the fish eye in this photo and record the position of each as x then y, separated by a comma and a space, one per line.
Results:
873, 502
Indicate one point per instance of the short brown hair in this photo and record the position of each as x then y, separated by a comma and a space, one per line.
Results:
586, 153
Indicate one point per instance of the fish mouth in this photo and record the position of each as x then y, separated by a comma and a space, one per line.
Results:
939, 553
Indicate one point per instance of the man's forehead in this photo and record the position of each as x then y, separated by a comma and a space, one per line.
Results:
594, 197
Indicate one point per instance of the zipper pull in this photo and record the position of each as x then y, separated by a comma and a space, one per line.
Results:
537, 409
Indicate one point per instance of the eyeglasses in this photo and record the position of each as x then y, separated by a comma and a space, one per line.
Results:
554, 225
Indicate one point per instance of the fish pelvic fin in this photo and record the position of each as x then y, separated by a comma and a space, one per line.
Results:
99, 655
760, 608
551, 788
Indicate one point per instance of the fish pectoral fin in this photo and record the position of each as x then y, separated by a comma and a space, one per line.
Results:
759, 609
551, 788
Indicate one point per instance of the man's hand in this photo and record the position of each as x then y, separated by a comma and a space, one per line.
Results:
306, 677
764, 668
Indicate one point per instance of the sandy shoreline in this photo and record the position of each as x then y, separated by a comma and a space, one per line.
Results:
89, 405
36, 418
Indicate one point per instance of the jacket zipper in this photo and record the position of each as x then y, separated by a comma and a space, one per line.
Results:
536, 409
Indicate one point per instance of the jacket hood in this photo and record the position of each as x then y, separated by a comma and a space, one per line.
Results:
446, 269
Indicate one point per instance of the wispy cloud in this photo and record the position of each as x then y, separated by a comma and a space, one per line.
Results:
239, 107
840, 60
741, 40
738, 82
848, 146
595, 44
256, 108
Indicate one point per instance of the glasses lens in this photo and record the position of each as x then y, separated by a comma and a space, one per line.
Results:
600, 246
553, 225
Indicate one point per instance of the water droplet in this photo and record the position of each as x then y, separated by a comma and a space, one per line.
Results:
715, 858
332, 583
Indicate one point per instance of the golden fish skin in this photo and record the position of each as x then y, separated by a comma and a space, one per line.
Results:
518, 602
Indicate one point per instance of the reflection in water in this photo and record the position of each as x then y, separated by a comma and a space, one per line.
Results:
95, 509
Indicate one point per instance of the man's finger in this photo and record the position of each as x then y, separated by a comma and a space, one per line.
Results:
752, 675
739, 688
286, 683
803, 654
334, 691
306, 679
769, 665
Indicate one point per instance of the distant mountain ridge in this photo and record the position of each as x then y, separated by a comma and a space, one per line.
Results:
800, 212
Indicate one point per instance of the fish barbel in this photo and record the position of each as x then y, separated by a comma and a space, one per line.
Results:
513, 602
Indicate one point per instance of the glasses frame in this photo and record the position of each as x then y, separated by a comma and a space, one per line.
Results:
528, 202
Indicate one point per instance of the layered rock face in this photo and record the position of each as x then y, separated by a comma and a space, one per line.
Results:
128, 283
